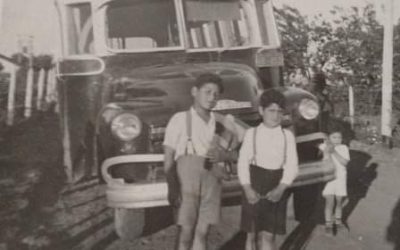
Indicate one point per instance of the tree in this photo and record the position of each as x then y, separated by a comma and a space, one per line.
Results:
352, 44
349, 48
293, 28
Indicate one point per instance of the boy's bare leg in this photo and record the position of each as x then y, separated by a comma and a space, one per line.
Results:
266, 241
200, 236
185, 237
250, 241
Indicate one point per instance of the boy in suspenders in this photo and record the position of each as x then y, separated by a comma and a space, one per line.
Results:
267, 165
194, 187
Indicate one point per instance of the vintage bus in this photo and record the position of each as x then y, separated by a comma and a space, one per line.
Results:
128, 66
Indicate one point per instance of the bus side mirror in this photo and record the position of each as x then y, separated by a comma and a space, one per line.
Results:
80, 65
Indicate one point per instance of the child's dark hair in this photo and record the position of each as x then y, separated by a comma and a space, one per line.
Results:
334, 127
271, 96
209, 78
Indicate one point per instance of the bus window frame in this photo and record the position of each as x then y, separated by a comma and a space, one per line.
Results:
99, 30
177, 3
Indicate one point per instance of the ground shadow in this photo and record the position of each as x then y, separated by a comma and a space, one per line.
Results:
360, 176
237, 242
309, 202
158, 218
393, 230
308, 205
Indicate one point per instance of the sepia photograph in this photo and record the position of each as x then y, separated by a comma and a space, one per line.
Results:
199, 125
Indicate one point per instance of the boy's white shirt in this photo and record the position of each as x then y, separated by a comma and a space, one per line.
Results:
270, 155
202, 132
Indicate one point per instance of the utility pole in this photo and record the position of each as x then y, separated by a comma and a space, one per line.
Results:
1, 13
387, 74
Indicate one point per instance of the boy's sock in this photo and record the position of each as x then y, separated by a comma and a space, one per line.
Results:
339, 223
329, 227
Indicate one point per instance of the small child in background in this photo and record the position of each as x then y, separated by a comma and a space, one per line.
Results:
336, 190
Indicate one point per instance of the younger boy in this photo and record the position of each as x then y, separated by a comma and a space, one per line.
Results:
188, 143
267, 165
335, 190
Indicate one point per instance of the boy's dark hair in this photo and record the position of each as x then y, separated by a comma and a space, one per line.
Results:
209, 78
271, 96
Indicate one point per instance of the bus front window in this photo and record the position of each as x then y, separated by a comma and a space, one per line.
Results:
142, 25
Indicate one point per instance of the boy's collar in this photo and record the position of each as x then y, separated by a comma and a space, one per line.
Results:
262, 125
194, 111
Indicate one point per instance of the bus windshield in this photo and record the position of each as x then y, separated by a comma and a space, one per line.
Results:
142, 24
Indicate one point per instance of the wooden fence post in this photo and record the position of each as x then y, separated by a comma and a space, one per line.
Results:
29, 92
40, 89
51, 88
11, 96
351, 105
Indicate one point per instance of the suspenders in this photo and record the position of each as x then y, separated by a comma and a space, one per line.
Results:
254, 159
189, 132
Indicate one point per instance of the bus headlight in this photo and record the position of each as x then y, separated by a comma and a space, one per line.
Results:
126, 127
308, 109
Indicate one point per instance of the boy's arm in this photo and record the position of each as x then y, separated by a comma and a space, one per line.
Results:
169, 155
171, 173
291, 166
172, 134
234, 134
243, 168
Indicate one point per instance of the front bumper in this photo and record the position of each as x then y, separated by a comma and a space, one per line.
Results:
154, 194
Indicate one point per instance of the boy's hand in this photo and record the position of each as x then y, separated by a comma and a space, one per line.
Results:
276, 194
218, 154
174, 198
174, 192
251, 195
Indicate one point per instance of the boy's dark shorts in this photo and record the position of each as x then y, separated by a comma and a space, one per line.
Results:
264, 215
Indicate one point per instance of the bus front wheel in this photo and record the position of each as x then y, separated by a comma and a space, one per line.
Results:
129, 223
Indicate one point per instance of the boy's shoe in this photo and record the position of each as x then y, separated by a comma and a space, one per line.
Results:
339, 225
329, 229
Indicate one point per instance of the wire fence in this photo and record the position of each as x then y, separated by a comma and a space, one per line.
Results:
367, 111
24, 91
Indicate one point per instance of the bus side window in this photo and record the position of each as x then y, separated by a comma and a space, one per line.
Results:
80, 29
269, 32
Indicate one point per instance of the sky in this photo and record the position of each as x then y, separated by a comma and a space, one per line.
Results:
312, 7
37, 18
315, 7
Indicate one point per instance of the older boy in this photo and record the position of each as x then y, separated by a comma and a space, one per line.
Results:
188, 144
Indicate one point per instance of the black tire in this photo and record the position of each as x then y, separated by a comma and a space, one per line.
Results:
84, 160
98, 158
129, 223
